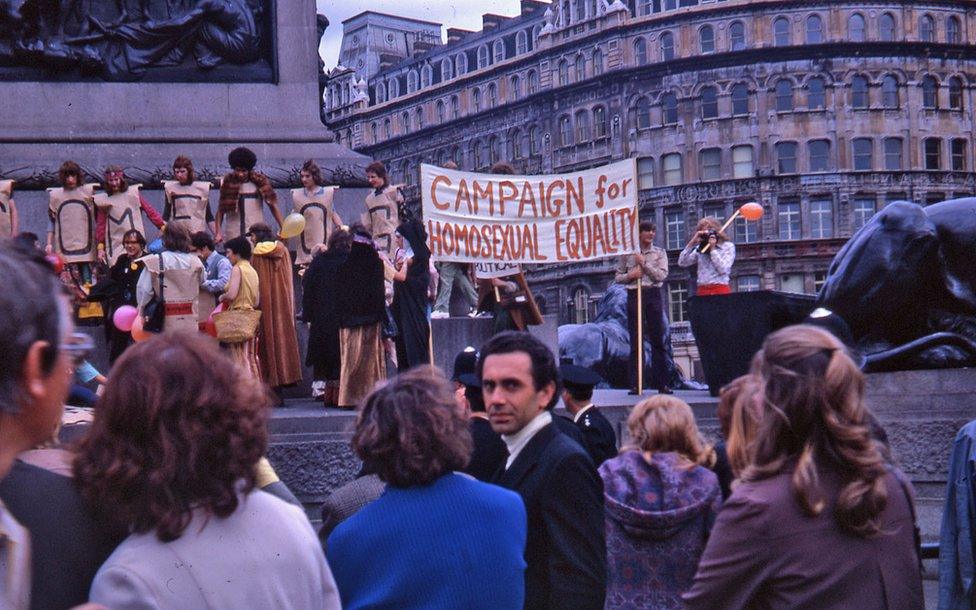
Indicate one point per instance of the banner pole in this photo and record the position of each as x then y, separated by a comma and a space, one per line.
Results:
640, 337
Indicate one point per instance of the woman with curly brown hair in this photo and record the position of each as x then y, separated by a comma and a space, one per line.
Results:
661, 500
435, 539
818, 520
171, 459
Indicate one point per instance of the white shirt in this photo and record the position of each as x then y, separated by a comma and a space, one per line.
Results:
713, 266
517, 442
580, 413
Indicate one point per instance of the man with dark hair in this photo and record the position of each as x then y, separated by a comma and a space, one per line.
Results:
37, 362
566, 549
243, 195
597, 432
651, 268
216, 272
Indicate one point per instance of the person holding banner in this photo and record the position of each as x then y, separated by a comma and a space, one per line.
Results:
384, 207
651, 268
711, 250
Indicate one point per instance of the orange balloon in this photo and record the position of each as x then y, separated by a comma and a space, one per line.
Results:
138, 334
751, 211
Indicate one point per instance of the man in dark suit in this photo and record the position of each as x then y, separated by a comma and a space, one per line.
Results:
566, 549
597, 431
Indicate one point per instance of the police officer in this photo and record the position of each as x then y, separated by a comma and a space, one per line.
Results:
599, 439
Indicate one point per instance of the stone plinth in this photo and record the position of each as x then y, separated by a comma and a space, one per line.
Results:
451, 335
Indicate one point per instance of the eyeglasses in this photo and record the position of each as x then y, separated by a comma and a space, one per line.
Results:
77, 347
131, 243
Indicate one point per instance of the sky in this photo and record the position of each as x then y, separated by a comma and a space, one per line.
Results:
465, 14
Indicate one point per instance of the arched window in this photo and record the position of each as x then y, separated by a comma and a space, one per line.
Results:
640, 52
405, 122
814, 29
740, 99
456, 156
387, 128
863, 154
580, 12
737, 36
411, 81
669, 109
953, 30
476, 158
483, 57
460, 63
380, 93
710, 164
581, 306
955, 93
494, 150
563, 72
855, 28
926, 28
667, 46
706, 37
742, 162
426, 76
521, 43
476, 99
492, 95
709, 103
819, 153
889, 92
533, 82
498, 51
536, 31
565, 131
859, 92
447, 69
582, 126
535, 141
515, 86
374, 133
930, 93
816, 96
784, 95
515, 145
893, 148
671, 169
887, 28
441, 111
420, 118
781, 32
597, 62
642, 113
455, 107
599, 122
393, 88
580, 67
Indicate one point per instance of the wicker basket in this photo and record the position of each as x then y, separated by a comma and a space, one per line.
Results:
237, 325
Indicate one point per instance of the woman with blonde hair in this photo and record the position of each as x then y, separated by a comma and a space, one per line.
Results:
712, 250
661, 500
818, 520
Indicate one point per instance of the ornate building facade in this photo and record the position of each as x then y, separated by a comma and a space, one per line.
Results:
822, 111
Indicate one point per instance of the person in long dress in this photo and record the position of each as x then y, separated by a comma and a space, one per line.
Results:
242, 293
180, 271
410, 298
360, 306
319, 293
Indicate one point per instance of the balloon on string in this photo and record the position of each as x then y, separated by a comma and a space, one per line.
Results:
138, 334
751, 211
124, 317
56, 262
292, 226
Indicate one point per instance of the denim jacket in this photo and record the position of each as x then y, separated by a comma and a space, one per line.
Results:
956, 541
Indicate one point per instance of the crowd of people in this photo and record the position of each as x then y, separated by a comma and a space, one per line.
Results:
162, 505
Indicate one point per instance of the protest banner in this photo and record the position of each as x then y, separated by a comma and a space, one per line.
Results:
564, 218
486, 271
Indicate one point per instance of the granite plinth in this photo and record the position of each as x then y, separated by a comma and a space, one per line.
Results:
452, 335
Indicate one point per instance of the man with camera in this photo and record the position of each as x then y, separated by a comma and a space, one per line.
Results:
711, 250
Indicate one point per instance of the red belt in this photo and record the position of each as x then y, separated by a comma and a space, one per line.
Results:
707, 290
179, 309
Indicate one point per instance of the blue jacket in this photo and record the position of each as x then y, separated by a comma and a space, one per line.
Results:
456, 543
958, 516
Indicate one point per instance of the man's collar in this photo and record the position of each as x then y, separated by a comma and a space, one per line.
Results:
579, 414
516, 442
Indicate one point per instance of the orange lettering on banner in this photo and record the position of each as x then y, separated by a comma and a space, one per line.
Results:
433, 192
551, 207
559, 241
528, 197
507, 191
574, 193
484, 192
465, 195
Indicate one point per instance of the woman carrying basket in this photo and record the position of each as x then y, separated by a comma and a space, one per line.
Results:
242, 294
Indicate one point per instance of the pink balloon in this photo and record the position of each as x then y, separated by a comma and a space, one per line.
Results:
124, 317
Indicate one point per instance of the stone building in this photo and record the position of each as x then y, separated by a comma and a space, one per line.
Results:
822, 111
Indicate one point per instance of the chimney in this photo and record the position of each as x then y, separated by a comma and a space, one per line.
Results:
456, 34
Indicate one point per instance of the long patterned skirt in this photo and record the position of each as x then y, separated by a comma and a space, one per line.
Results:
245, 354
363, 363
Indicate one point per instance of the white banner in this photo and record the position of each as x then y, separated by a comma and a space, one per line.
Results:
582, 216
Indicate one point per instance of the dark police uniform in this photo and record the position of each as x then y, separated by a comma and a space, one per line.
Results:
597, 433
